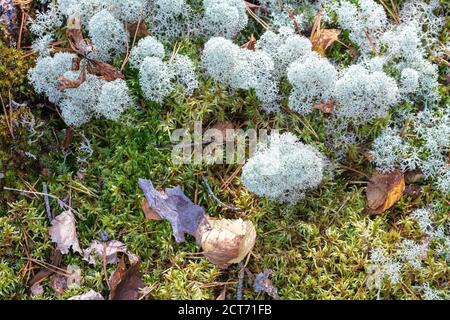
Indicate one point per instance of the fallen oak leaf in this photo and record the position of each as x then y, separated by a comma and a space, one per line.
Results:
78, 43
384, 190
150, 214
138, 28
126, 283
63, 232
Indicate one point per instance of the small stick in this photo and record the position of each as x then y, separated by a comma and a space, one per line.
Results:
6, 118
390, 12
371, 43
60, 202
19, 41
240, 285
127, 58
47, 202
210, 192
297, 27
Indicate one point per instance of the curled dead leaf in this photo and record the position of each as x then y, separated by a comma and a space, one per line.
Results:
63, 232
322, 39
250, 44
104, 70
126, 283
384, 190
225, 242
138, 28
65, 83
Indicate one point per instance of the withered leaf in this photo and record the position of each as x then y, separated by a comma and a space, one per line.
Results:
384, 190
150, 214
412, 177
90, 295
78, 43
322, 39
126, 283
64, 83
250, 44
138, 29
64, 233
45, 273
327, 107
264, 284
58, 283
104, 70
225, 242
100, 250
174, 206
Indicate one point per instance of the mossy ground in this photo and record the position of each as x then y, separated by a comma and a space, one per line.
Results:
318, 248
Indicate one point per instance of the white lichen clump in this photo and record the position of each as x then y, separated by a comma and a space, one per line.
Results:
284, 169
146, 47
362, 96
313, 79
224, 17
108, 35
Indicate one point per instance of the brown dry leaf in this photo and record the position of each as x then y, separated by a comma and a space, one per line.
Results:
126, 283
65, 83
250, 44
322, 39
104, 70
225, 242
98, 250
150, 214
138, 28
78, 43
45, 273
384, 190
64, 233
327, 107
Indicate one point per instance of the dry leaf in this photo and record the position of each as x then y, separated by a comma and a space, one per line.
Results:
250, 44
150, 214
36, 290
78, 43
126, 283
412, 177
74, 276
174, 206
64, 83
327, 107
64, 233
138, 28
104, 70
98, 250
225, 242
45, 273
384, 190
322, 39
90, 295
264, 284
58, 283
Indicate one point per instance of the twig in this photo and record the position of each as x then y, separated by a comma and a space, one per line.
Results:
240, 285
7, 118
127, 57
60, 202
297, 27
258, 19
210, 192
19, 41
397, 20
47, 202
371, 42
354, 170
